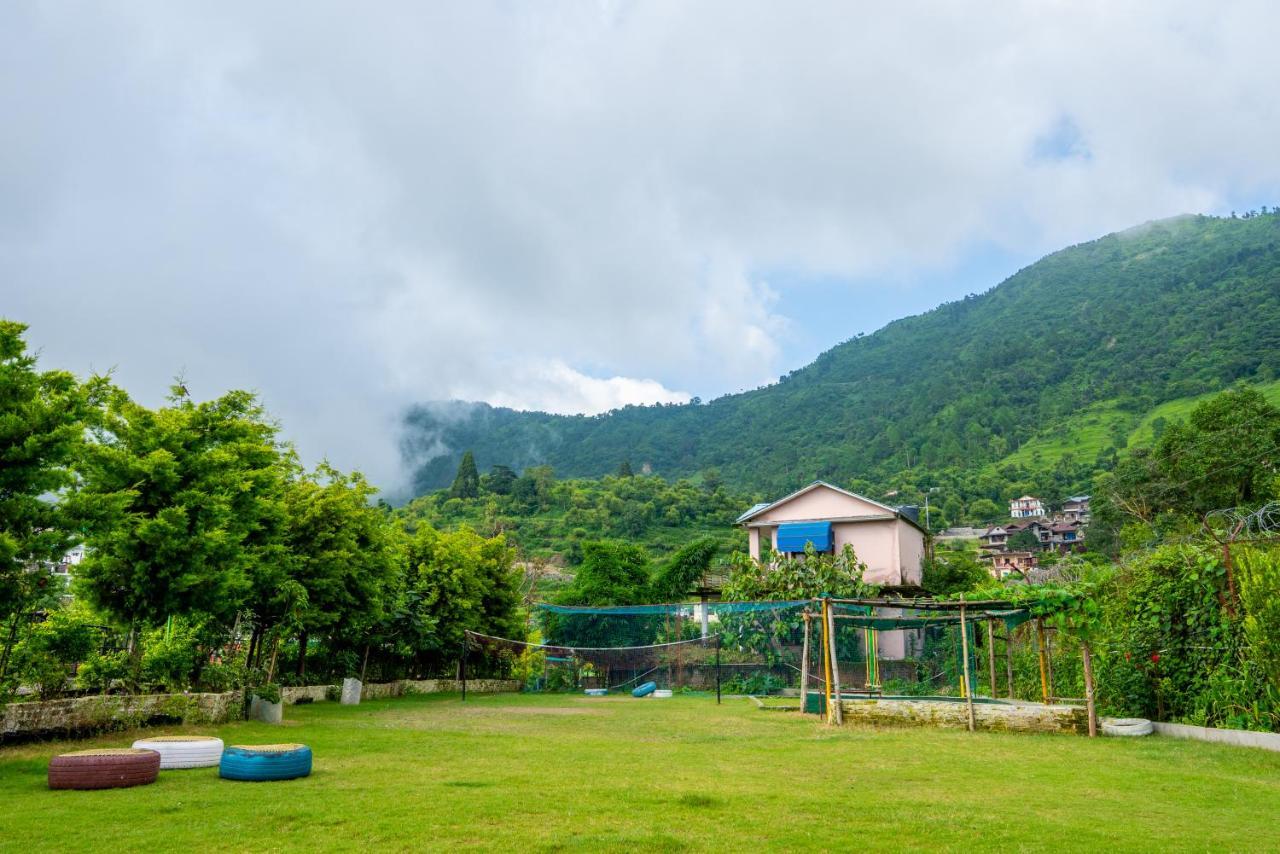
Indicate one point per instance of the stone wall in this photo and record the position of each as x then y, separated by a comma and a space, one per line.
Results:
989, 717
314, 693
83, 715
400, 687
379, 690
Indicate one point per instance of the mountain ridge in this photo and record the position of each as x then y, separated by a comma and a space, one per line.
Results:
1166, 310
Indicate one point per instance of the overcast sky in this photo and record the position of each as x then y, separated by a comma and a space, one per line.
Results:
572, 206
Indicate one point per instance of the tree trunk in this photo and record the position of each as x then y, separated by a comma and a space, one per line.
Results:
302, 653
8, 644
1087, 655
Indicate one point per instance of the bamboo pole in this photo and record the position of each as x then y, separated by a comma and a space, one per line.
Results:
1044, 672
1048, 663
1087, 655
804, 665
964, 654
838, 717
1008, 660
826, 663
991, 655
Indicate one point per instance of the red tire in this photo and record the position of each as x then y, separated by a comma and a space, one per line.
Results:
113, 768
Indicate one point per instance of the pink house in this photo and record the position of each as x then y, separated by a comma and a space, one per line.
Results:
888, 541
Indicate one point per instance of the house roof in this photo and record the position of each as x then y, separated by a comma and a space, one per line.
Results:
760, 508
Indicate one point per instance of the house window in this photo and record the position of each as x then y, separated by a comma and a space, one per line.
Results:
793, 537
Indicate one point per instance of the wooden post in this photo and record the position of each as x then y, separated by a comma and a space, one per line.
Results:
719, 638
964, 654
826, 662
991, 655
1048, 663
838, 717
1008, 660
462, 668
1044, 665
1087, 655
804, 665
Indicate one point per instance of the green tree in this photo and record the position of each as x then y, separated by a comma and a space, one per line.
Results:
1024, 541
949, 572
340, 552
683, 570
457, 581
499, 480
189, 502
42, 422
466, 483
624, 469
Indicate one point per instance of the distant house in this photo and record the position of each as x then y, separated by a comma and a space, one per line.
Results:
889, 540
994, 539
1076, 509
1026, 507
1012, 563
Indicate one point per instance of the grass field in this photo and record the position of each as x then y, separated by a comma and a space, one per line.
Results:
549, 773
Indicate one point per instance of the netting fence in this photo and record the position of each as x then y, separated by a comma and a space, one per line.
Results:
907, 648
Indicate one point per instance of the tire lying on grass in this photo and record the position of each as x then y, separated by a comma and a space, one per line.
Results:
259, 762
184, 751
1126, 727
112, 768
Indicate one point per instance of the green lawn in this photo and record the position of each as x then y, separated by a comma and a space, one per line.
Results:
550, 772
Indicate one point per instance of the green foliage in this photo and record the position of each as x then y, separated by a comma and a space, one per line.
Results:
454, 582
466, 483
42, 418
340, 553
684, 570
1259, 579
786, 578
1225, 455
189, 506
99, 673
547, 518
1073, 349
1024, 541
268, 692
49, 649
949, 572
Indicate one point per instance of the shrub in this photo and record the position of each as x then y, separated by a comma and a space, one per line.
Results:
100, 673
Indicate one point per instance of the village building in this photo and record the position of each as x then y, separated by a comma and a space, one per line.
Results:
1076, 509
1026, 507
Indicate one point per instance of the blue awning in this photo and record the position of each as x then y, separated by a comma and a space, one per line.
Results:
792, 536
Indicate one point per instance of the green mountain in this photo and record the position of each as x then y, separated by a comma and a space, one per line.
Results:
1034, 385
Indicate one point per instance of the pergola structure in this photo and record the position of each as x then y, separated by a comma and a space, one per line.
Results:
873, 614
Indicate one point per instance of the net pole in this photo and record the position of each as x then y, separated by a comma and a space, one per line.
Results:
717, 670
826, 662
835, 664
991, 655
1044, 665
804, 666
964, 645
462, 668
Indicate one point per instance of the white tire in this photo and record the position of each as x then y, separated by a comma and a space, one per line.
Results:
1126, 727
183, 751
662, 694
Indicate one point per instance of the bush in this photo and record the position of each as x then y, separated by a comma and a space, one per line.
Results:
100, 673
45, 656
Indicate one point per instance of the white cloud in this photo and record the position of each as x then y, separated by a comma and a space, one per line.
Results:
568, 206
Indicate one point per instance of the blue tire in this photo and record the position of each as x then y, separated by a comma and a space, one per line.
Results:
644, 690
258, 762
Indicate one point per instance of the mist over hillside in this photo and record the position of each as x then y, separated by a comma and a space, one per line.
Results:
1116, 326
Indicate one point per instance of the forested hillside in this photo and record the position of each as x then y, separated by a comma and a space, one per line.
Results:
1034, 385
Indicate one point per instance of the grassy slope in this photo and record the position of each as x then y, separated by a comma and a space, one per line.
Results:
1178, 410
537, 772
1085, 433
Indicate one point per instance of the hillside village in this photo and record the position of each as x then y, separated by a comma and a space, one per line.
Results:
1015, 547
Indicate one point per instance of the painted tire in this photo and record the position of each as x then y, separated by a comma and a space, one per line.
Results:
258, 762
644, 690
184, 751
114, 768
597, 692
662, 694
1126, 727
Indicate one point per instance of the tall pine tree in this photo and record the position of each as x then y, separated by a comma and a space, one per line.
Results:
466, 484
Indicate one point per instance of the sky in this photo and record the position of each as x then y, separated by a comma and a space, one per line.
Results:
572, 206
